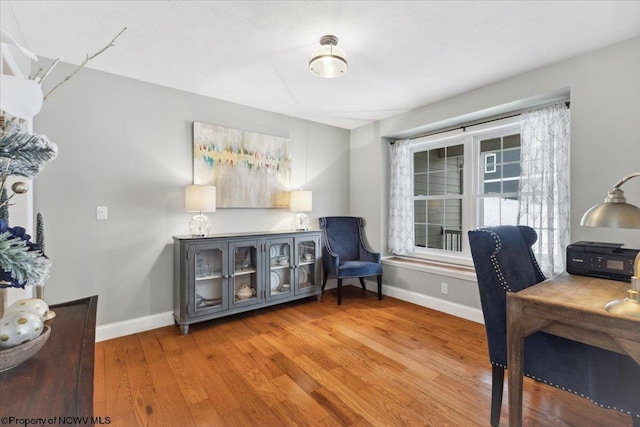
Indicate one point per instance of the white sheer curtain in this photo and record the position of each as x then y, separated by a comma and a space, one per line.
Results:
544, 183
401, 200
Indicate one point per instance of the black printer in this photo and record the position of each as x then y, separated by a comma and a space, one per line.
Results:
605, 260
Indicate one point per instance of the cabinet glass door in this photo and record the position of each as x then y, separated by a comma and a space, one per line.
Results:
209, 272
246, 273
280, 268
307, 265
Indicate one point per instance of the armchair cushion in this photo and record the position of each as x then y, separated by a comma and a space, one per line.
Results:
359, 269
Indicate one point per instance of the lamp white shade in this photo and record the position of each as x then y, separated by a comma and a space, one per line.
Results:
200, 198
300, 201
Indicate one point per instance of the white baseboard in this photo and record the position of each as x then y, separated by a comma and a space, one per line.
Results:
452, 308
146, 323
133, 326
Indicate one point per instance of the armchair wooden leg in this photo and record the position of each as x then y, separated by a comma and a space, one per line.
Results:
379, 287
324, 280
362, 283
339, 291
497, 384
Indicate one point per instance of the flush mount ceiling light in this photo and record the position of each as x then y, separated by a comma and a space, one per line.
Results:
328, 60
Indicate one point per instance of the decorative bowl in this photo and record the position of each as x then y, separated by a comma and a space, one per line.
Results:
12, 357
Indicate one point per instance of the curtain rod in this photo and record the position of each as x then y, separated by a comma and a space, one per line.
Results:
464, 127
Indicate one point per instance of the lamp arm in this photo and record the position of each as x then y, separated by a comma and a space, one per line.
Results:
626, 178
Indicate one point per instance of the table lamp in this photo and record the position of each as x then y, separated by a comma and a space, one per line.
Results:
300, 201
200, 198
615, 212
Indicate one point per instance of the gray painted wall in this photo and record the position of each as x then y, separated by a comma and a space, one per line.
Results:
605, 145
127, 145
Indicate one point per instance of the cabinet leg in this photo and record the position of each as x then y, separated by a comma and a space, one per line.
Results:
184, 329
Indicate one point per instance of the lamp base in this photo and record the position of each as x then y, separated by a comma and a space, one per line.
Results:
630, 306
301, 222
199, 225
626, 307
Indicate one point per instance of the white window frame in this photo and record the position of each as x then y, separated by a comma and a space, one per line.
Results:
470, 138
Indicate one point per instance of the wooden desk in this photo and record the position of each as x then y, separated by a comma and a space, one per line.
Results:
571, 307
58, 380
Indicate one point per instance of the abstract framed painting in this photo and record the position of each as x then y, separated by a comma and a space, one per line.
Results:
249, 169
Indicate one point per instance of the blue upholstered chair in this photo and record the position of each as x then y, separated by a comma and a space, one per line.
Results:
505, 263
345, 253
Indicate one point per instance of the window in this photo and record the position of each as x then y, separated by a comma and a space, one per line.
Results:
499, 177
461, 181
437, 197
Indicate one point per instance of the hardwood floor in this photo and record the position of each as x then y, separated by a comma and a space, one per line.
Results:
366, 362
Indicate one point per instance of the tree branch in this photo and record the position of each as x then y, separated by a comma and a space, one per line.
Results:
85, 62
48, 71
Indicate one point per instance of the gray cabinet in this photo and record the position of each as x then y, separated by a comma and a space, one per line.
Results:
224, 274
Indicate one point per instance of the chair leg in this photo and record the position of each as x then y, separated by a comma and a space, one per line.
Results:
497, 383
362, 283
339, 291
379, 287
324, 280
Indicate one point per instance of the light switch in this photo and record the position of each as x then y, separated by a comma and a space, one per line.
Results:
102, 212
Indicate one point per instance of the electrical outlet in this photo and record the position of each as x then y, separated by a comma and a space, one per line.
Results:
102, 212
444, 288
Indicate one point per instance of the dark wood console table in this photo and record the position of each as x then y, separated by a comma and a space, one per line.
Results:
58, 380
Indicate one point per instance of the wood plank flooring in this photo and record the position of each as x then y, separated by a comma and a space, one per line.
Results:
364, 363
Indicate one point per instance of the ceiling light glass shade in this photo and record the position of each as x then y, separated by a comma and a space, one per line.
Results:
328, 60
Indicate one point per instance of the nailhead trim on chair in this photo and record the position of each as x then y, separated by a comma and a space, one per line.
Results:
494, 260
571, 391
535, 262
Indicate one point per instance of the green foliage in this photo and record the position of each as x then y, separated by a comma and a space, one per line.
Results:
26, 267
25, 154
4, 208
40, 232
22, 154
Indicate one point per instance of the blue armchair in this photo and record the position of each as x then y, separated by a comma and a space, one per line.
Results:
505, 263
345, 253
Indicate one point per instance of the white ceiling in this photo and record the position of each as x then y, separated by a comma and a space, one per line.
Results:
401, 54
